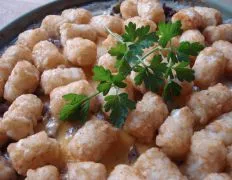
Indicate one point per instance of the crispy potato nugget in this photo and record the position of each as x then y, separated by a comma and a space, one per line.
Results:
115, 24
140, 22
210, 103
190, 18
47, 56
51, 24
125, 172
209, 67
215, 33
70, 31
86, 171
192, 36
22, 116
128, 9
33, 152
78, 87
225, 47
9, 59
53, 78
175, 133
108, 62
86, 147
78, 16
30, 38
151, 9
207, 155
23, 79
218, 176
221, 128
80, 52
154, 164
149, 114
44, 173
109, 42
210, 16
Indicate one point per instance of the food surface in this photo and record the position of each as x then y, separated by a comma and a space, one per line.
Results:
141, 93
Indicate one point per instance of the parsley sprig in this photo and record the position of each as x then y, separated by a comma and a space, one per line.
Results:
162, 74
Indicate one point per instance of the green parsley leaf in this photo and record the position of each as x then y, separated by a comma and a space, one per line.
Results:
152, 80
77, 107
157, 66
167, 31
130, 33
119, 105
171, 89
191, 49
123, 67
119, 50
101, 74
184, 73
104, 87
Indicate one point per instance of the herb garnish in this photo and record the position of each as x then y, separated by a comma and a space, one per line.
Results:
162, 73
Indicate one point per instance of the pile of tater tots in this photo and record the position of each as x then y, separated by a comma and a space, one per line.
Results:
191, 141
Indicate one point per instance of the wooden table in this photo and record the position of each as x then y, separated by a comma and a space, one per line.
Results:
12, 9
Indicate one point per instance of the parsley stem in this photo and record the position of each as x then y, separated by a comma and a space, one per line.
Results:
115, 35
149, 53
90, 97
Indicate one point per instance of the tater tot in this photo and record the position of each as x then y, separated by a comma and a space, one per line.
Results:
151, 9
17, 53
86, 171
108, 62
139, 21
154, 164
33, 152
149, 114
210, 16
78, 87
47, 56
210, 103
9, 59
192, 36
175, 133
53, 78
128, 9
43, 173
86, 147
51, 24
6, 171
218, 176
101, 22
215, 33
225, 47
78, 16
80, 52
221, 128
22, 116
125, 172
31, 37
70, 31
190, 19
207, 155
209, 67
109, 42
23, 79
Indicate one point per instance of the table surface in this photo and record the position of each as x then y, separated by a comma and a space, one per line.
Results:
12, 9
